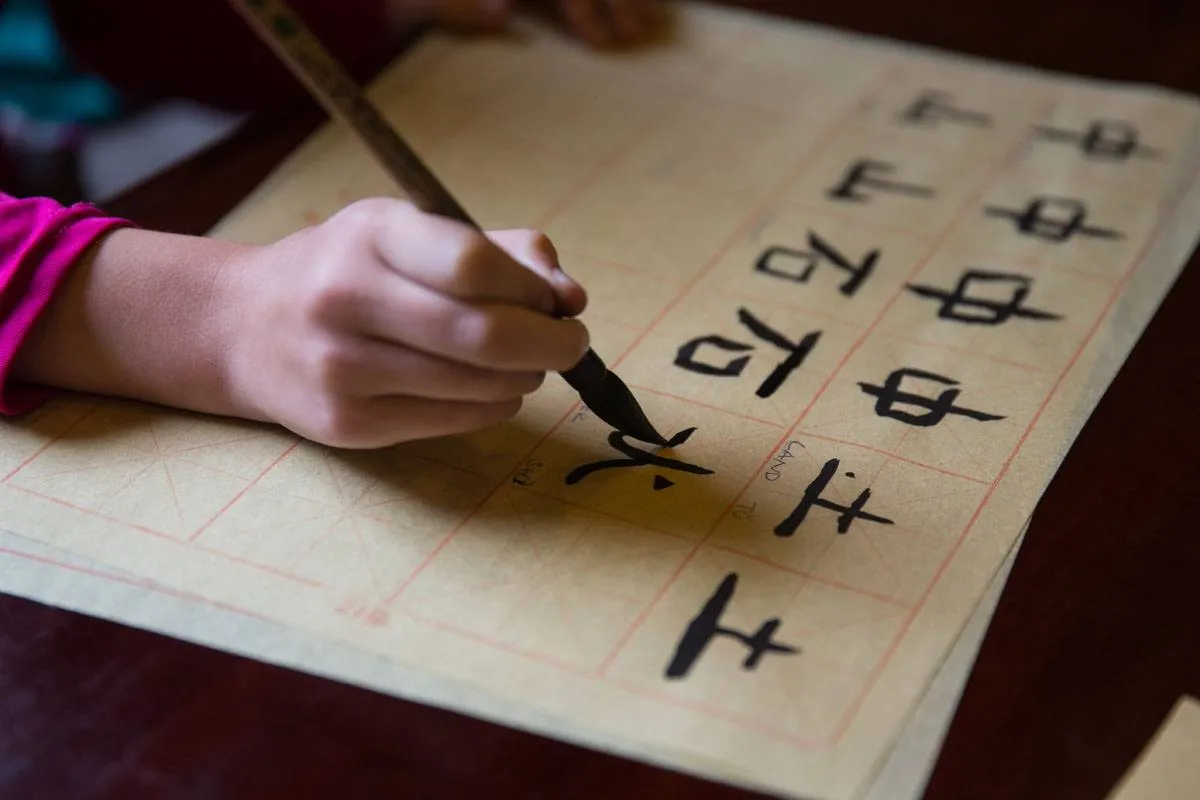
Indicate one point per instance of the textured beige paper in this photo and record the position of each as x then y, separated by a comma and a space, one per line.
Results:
500, 589
1169, 767
38, 572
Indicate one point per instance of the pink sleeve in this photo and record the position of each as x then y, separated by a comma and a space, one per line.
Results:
40, 241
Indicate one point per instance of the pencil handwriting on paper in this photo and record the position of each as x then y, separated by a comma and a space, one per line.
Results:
636, 457
707, 624
933, 106
958, 304
773, 472
889, 396
776, 260
812, 497
528, 472
868, 172
1103, 140
688, 355
1052, 219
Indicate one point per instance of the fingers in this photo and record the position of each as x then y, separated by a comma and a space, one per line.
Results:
535, 250
450, 257
585, 19
610, 22
629, 19
404, 418
492, 336
372, 368
385, 421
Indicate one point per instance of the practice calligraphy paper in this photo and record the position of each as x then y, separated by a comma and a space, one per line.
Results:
872, 293
1169, 768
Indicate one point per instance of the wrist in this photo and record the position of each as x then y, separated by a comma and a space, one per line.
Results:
144, 315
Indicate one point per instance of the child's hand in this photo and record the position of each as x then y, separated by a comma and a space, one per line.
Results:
604, 23
381, 325
385, 324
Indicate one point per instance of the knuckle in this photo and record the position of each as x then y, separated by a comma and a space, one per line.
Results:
332, 363
539, 246
338, 423
479, 333
364, 214
470, 261
332, 296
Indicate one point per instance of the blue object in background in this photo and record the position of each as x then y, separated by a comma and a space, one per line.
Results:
38, 80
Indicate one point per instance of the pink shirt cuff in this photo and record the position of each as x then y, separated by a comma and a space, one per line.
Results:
40, 241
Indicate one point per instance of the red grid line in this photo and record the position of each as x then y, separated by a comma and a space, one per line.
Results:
53, 440
852, 711
757, 211
709, 406
470, 515
896, 337
148, 585
624, 686
164, 536
896, 457
1174, 206
1044, 264
241, 492
532, 489
80, 509
836, 584
137, 582
973, 198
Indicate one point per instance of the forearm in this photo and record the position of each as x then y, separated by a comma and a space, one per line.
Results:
143, 315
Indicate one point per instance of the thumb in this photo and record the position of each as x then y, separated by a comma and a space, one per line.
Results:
536, 252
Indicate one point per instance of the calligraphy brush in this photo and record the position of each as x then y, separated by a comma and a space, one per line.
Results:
603, 392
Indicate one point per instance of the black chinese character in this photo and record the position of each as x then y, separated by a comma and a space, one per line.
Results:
1039, 219
812, 497
707, 624
809, 261
641, 458
1107, 140
960, 307
796, 353
932, 106
936, 409
860, 173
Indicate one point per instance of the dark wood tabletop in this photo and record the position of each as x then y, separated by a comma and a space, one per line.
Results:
1093, 641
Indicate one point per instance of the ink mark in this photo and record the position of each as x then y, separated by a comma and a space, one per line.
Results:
936, 409
1039, 220
932, 106
640, 458
860, 174
687, 355
706, 626
812, 497
808, 261
959, 306
1103, 140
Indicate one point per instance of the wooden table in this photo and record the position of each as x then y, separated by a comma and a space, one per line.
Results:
1092, 643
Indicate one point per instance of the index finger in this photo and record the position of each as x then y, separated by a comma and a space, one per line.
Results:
454, 259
